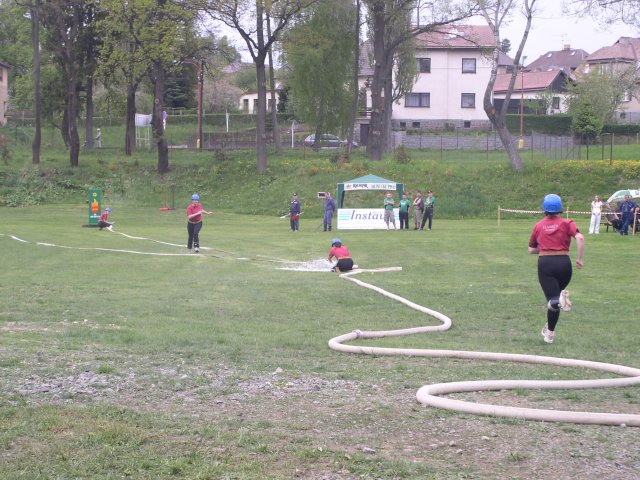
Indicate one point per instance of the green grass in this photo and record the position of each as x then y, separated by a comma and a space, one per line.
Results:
217, 366
119, 364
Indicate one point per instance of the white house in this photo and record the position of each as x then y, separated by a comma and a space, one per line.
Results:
454, 66
4, 91
249, 100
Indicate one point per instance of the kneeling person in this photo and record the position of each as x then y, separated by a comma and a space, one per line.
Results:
341, 253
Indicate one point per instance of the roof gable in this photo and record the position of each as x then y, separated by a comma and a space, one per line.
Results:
457, 37
625, 49
529, 81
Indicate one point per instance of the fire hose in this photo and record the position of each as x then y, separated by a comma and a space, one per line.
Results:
432, 395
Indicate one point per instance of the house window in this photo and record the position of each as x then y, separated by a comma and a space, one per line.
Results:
468, 100
468, 65
415, 124
424, 65
417, 100
555, 103
245, 104
255, 105
626, 96
466, 124
403, 125
605, 68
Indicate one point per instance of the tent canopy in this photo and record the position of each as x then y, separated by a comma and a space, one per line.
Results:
367, 182
619, 195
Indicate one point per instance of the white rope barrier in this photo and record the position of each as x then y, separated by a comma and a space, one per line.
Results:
431, 395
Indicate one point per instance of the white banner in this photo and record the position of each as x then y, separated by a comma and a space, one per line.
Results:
370, 186
364, 219
143, 120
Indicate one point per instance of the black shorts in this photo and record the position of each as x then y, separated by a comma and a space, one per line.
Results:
345, 264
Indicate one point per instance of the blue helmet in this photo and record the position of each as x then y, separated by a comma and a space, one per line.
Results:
107, 209
552, 203
195, 196
334, 241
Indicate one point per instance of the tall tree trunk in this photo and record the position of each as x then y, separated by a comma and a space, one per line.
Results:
274, 111
156, 119
64, 127
88, 126
375, 145
130, 133
356, 87
37, 98
72, 105
261, 115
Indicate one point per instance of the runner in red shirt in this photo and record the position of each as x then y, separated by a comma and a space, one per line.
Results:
194, 222
550, 240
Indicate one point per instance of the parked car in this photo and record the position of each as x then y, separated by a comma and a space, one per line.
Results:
327, 141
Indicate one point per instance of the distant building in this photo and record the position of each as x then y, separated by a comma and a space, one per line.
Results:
568, 60
4, 91
454, 67
623, 54
548, 86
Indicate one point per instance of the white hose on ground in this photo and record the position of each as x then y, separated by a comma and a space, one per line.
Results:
431, 394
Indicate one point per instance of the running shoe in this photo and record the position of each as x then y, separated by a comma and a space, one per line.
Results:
565, 302
547, 334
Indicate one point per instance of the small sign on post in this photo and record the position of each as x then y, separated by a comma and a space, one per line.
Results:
95, 202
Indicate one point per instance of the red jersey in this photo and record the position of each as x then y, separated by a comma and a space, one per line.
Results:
339, 252
193, 208
553, 233
104, 216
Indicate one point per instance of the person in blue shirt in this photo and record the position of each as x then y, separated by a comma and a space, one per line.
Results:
329, 207
628, 208
294, 213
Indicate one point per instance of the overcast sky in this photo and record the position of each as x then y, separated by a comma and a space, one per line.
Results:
550, 30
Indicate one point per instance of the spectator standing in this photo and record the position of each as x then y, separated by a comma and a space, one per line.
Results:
628, 209
418, 209
430, 203
329, 207
405, 206
99, 139
389, 214
550, 240
294, 213
596, 215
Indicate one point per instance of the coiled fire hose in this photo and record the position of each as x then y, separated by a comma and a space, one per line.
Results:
432, 395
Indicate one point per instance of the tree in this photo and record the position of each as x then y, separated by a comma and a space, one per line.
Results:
248, 18
65, 23
607, 11
10, 32
605, 92
390, 30
586, 124
320, 56
495, 12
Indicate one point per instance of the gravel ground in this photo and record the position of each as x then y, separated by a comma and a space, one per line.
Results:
343, 416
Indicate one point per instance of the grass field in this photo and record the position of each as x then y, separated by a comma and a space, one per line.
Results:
120, 363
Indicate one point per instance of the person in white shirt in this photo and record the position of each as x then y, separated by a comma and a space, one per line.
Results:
596, 215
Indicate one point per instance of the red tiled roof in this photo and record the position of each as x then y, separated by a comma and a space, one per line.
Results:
567, 59
626, 48
533, 81
457, 36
